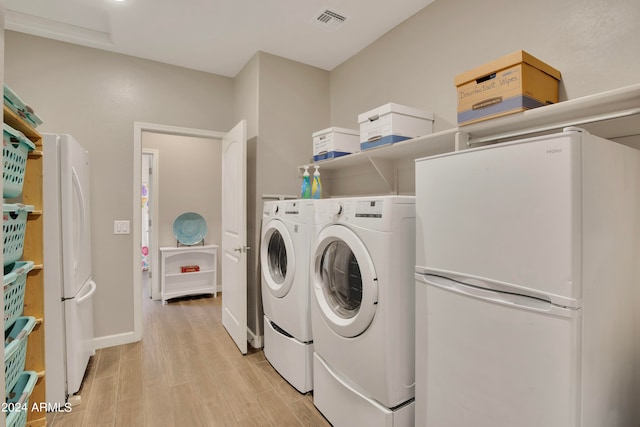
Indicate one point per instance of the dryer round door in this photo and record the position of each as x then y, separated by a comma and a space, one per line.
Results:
277, 258
344, 281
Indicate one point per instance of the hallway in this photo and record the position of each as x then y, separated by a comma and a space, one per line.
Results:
185, 372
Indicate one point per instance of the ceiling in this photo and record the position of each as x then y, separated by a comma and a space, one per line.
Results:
216, 36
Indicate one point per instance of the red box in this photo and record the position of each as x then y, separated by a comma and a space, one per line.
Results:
189, 268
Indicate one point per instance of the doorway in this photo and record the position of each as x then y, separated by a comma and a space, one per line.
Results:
149, 218
139, 130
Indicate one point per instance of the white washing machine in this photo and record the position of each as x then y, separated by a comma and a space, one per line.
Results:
284, 258
362, 310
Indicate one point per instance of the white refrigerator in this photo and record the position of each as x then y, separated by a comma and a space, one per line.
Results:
69, 288
528, 285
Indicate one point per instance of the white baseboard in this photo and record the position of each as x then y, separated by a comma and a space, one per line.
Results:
254, 340
113, 340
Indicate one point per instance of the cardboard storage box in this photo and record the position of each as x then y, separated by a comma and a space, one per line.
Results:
334, 142
513, 83
391, 123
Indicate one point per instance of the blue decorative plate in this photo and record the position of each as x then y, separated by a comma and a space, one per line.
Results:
189, 228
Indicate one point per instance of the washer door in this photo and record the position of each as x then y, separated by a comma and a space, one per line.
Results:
277, 258
344, 281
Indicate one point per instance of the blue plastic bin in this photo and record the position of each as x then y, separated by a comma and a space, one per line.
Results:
14, 225
14, 285
15, 350
18, 399
15, 149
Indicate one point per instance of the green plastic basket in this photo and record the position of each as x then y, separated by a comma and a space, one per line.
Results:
14, 225
15, 350
15, 149
17, 403
14, 284
18, 106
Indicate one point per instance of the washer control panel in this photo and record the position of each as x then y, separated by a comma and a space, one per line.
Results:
369, 209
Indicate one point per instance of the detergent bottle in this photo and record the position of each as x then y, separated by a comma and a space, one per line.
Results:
306, 184
316, 186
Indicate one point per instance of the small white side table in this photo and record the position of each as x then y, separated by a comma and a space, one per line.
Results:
199, 276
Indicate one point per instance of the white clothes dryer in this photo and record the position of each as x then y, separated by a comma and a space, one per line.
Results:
284, 258
362, 310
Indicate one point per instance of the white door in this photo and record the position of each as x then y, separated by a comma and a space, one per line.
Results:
79, 335
151, 175
76, 221
78, 287
234, 234
493, 359
508, 214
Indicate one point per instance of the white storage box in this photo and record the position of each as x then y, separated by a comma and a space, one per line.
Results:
334, 142
391, 123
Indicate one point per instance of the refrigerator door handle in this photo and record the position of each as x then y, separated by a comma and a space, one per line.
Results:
88, 295
503, 298
78, 187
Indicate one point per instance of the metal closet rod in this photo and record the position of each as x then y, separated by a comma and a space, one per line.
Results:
578, 122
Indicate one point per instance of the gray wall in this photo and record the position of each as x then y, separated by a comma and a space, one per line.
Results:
293, 103
97, 96
284, 102
189, 181
593, 43
245, 106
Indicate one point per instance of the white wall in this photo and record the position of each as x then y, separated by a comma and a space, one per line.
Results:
97, 96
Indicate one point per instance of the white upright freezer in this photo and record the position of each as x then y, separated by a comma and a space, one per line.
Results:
69, 287
528, 285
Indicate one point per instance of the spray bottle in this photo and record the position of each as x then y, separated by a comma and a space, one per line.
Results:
316, 186
306, 184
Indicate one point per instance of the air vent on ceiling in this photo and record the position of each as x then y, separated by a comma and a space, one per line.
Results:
329, 19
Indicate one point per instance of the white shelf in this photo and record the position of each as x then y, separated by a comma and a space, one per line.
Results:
195, 273
613, 114
174, 283
427, 145
383, 159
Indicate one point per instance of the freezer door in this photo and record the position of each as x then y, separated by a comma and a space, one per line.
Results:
79, 335
75, 214
490, 359
509, 213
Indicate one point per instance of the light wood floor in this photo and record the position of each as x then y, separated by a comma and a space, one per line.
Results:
185, 372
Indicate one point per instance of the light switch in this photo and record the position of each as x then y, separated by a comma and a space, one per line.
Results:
120, 227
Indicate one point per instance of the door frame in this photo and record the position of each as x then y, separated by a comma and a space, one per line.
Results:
154, 291
138, 129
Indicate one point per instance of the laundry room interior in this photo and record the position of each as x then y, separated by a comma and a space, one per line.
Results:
226, 288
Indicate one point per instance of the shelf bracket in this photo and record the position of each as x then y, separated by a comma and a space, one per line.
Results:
386, 170
462, 139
